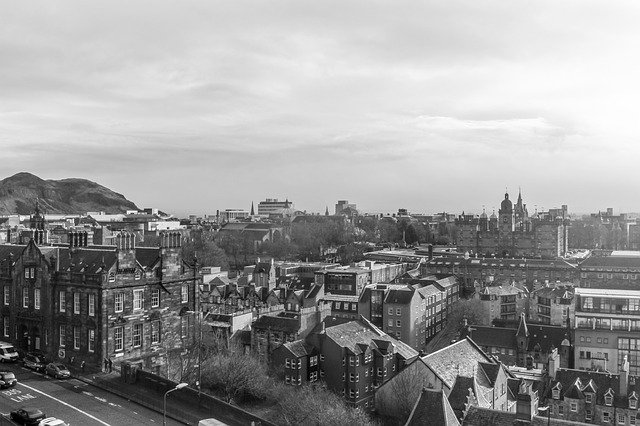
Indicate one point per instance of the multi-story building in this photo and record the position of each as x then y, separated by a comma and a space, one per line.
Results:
528, 345
552, 304
513, 233
354, 359
274, 207
475, 272
619, 270
352, 279
600, 398
412, 313
506, 302
606, 329
83, 303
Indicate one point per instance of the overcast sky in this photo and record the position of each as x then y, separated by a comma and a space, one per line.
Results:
434, 105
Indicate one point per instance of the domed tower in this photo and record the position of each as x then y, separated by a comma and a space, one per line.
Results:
506, 215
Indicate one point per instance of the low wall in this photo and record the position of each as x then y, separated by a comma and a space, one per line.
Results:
184, 398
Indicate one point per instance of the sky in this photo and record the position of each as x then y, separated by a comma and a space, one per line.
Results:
198, 106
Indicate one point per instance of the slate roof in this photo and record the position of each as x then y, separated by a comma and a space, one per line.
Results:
601, 382
432, 408
493, 336
350, 334
459, 393
279, 323
460, 358
631, 262
547, 336
402, 297
477, 416
299, 348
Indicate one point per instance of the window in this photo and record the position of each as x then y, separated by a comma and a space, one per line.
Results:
390, 311
351, 377
560, 409
287, 363
30, 272
398, 323
608, 399
588, 398
632, 419
390, 323
155, 331
185, 293
7, 295
25, 297
155, 298
118, 338
62, 299
36, 298
622, 419
137, 275
556, 394
112, 277
588, 415
137, 335
606, 417
63, 335
183, 327
91, 340
398, 311
76, 303
574, 406
138, 297
119, 302
633, 404
76, 337
91, 304
5, 326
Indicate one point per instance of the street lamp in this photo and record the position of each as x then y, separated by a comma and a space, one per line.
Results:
164, 407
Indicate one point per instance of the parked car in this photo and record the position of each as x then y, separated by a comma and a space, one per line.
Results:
34, 361
27, 416
57, 370
8, 353
7, 379
52, 421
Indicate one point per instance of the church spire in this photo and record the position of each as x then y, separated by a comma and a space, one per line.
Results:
252, 210
326, 212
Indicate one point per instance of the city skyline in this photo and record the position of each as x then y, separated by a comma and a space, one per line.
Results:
210, 105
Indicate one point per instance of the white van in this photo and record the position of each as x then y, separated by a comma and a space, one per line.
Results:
7, 352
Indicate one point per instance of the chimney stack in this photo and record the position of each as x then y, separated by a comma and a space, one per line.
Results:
624, 377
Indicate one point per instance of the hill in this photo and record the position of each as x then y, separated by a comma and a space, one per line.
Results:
18, 195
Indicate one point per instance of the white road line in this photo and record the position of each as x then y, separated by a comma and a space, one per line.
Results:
65, 403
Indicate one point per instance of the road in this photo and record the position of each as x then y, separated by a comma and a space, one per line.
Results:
74, 401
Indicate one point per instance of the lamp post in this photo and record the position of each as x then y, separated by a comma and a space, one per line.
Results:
164, 407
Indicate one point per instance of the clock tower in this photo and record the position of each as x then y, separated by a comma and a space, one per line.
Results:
506, 217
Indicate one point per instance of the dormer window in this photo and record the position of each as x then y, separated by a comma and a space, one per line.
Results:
633, 404
588, 398
608, 398
556, 391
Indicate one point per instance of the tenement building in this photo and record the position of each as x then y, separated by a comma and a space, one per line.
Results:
607, 329
84, 305
513, 233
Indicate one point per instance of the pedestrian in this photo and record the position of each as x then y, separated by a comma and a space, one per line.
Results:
106, 365
110, 365
82, 366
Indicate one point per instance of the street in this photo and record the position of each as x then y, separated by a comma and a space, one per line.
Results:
74, 401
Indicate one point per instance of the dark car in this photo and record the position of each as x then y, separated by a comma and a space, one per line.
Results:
57, 370
27, 416
34, 361
7, 379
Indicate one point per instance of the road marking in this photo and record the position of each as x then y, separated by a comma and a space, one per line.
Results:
66, 404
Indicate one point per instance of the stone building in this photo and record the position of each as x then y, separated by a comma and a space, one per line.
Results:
513, 233
81, 303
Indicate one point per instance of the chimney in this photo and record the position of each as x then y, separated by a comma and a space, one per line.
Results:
126, 249
526, 403
624, 378
554, 363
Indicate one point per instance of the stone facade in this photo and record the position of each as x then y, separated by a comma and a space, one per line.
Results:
86, 304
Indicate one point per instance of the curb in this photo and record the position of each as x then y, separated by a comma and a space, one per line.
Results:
129, 397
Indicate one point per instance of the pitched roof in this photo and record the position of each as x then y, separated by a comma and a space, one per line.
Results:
299, 348
460, 392
477, 416
600, 262
460, 358
401, 297
432, 408
348, 335
280, 323
493, 336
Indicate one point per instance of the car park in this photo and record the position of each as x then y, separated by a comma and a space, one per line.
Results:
7, 379
57, 370
27, 416
34, 361
52, 421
